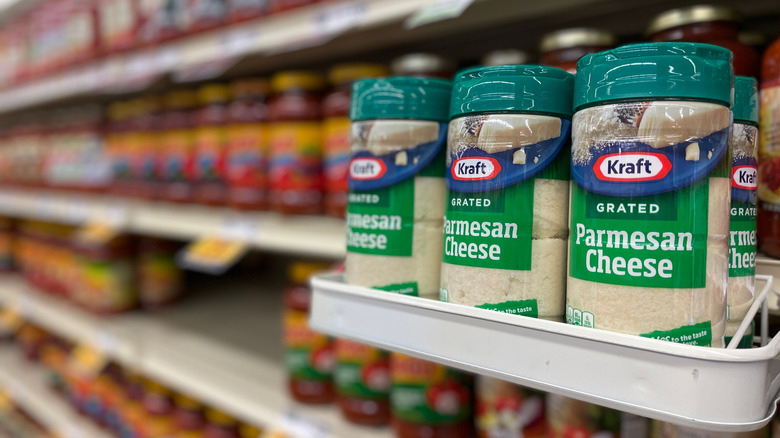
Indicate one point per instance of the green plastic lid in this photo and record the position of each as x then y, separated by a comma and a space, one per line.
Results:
512, 88
745, 100
401, 97
654, 71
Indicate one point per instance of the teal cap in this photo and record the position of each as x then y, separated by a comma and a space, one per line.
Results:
655, 71
513, 88
401, 97
745, 100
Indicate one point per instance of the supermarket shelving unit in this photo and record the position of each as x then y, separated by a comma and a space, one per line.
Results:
233, 366
208, 347
27, 386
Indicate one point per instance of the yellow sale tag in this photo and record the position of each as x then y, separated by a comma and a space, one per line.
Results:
97, 233
212, 254
6, 403
87, 361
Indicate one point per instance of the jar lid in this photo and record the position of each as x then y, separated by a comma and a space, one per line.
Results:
297, 80
690, 15
213, 93
180, 99
512, 88
576, 37
421, 64
300, 272
653, 71
745, 100
250, 87
505, 57
345, 73
401, 98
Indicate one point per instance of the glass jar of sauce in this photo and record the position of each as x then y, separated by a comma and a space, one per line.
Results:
158, 403
565, 47
277, 6
106, 275
247, 145
423, 65
310, 356
220, 425
717, 25
243, 10
295, 167
160, 281
188, 418
769, 153
336, 131
177, 141
211, 144
429, 400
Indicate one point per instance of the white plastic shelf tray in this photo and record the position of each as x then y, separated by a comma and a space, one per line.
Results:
714, 389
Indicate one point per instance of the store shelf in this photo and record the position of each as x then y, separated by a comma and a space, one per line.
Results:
26, 383
221, 346
315, 236
670, 382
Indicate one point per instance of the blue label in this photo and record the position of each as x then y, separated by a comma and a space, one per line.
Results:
628, 166
472, 169
371, 171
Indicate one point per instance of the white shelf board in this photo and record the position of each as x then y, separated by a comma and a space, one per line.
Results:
316, 236
671, 382
221, 346
26, 383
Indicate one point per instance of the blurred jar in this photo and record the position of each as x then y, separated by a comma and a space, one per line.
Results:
158, 404
242, 10
285, 5
177, 123
718, 25
247, 154
336, 131
220, 425
295, 167
505, 57
160, 280
310, 356
563, 48
208, 171
423, 65
107, 279
189, 418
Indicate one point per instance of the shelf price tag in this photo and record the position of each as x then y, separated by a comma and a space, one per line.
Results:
438, 10
212, 254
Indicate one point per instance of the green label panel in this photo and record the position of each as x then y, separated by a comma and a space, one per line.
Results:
697, 334
742, 240
522, 307
299, 365
381, 222
490, 229
636, 249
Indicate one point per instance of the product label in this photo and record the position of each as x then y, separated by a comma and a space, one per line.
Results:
176, 157
336, 144
521, 307
210, 147
361, 371
387, 155
247, 149
742, 235
697, 334
769, 153
428, 393
107, 285
309, 355
506, 410
568, 417
639, 208
296, 156
492, 163
147, 159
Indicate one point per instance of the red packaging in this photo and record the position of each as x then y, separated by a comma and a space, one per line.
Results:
120, 22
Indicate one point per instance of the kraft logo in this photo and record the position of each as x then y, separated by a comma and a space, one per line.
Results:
632, 167
364, 169
475, 168
744, 177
